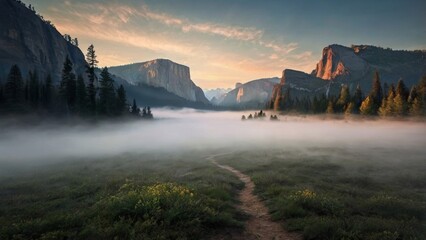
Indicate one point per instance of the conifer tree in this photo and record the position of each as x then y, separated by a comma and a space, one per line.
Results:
400, 100
390, 104
91, 89
135, 108
106, 94
357, 99
376, 93
67, 88
121, 100
367, 106
343, 99
350, 108
14, 90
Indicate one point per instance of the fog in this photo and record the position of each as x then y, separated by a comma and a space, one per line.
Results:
192, 130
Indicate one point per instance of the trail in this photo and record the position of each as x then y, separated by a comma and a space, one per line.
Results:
260, 224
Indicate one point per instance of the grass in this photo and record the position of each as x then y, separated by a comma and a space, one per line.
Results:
128, 197
338, 194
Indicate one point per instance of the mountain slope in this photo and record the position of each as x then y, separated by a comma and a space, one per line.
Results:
352, 66
162, 73
146, 95
33, 44
253, 94
357, 64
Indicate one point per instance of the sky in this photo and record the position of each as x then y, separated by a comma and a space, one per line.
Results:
229, 41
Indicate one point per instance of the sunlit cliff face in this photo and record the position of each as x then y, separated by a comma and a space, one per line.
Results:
190, 130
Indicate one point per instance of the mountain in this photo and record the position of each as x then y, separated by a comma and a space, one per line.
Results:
253, 94
33, 43
356, 64
352, 66
217, 93
162, 73
146, 95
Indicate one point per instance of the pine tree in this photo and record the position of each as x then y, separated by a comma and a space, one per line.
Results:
390, 104
67, 88
344, 98
106, 94
401, 89
367, 106
81, 103
357, 99
121, 104
91, 89
135, 108
400, 100
350, 108
376, 93
14, 90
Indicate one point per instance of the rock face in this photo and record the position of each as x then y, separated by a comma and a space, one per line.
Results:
340, 61
253, 94
33, 44
352, 66
356, 65
163, 73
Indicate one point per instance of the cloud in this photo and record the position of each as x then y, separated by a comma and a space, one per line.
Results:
248, 54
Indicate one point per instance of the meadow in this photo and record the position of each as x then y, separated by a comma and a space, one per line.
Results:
332, 193
124, 197
322, 179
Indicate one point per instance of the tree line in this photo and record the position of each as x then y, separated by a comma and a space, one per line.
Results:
71, 97
386, 101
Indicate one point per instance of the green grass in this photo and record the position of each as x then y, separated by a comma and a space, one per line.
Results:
128, 197
339, 194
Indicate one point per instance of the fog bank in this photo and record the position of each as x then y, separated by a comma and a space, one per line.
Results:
188, 130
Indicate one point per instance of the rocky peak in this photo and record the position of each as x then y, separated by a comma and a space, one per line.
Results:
338, 62
163, 73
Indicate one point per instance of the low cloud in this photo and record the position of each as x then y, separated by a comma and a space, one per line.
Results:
192, 130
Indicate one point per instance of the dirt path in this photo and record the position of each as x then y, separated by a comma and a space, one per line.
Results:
259, 225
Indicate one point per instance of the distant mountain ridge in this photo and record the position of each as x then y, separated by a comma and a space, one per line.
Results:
173, 77
253, 94
216, 93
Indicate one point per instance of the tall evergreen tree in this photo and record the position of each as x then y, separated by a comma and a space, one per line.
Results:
106, 93
376, 93
81, 103
121, 104
135, 108
67, 88
14, 90
367, 106
400, 100
343, 99
357, 99
390, 104
92, 63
